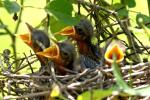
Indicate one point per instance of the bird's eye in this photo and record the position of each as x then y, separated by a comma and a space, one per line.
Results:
64, 54
80, 31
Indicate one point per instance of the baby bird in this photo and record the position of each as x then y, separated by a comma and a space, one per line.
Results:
62, 54
38, 40
82, 33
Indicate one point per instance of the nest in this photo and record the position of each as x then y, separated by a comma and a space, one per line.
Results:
42, 84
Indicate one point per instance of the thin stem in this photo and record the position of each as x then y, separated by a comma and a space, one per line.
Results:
15, 32
47, 18
6, 29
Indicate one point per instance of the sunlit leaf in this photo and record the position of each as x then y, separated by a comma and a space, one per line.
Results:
62, 11
55, 91
11, 6
94, 95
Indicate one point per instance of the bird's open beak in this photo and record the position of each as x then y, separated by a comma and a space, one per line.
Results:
51, 52
67, 31
115, 49
26, 39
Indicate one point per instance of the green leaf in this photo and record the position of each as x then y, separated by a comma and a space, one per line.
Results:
117, 6
62, 11
55, 91
60, 6
122, 84
131, 3
117, 74
94, 95
123, 12
121, 9
56, 26
11, 6
142, 19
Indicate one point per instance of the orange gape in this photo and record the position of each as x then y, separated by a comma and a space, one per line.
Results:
67, 30
114, 49
26, 39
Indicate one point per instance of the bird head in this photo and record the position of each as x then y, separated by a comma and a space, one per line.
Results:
27, 37
82, 31
67, 53
62, 53
36, 39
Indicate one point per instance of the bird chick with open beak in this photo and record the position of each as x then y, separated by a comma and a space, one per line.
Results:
82, 33
62, 54
116, 48
38, 40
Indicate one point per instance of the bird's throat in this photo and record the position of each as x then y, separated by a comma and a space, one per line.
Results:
83, 47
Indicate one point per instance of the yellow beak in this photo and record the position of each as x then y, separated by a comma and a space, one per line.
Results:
67, 31
26, 39
51, 52
115, 49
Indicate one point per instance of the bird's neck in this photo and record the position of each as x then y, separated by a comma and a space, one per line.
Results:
84, 47
61, 66
88, 49
43, 60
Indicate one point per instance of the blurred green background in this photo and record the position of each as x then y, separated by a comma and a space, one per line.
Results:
32, 13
